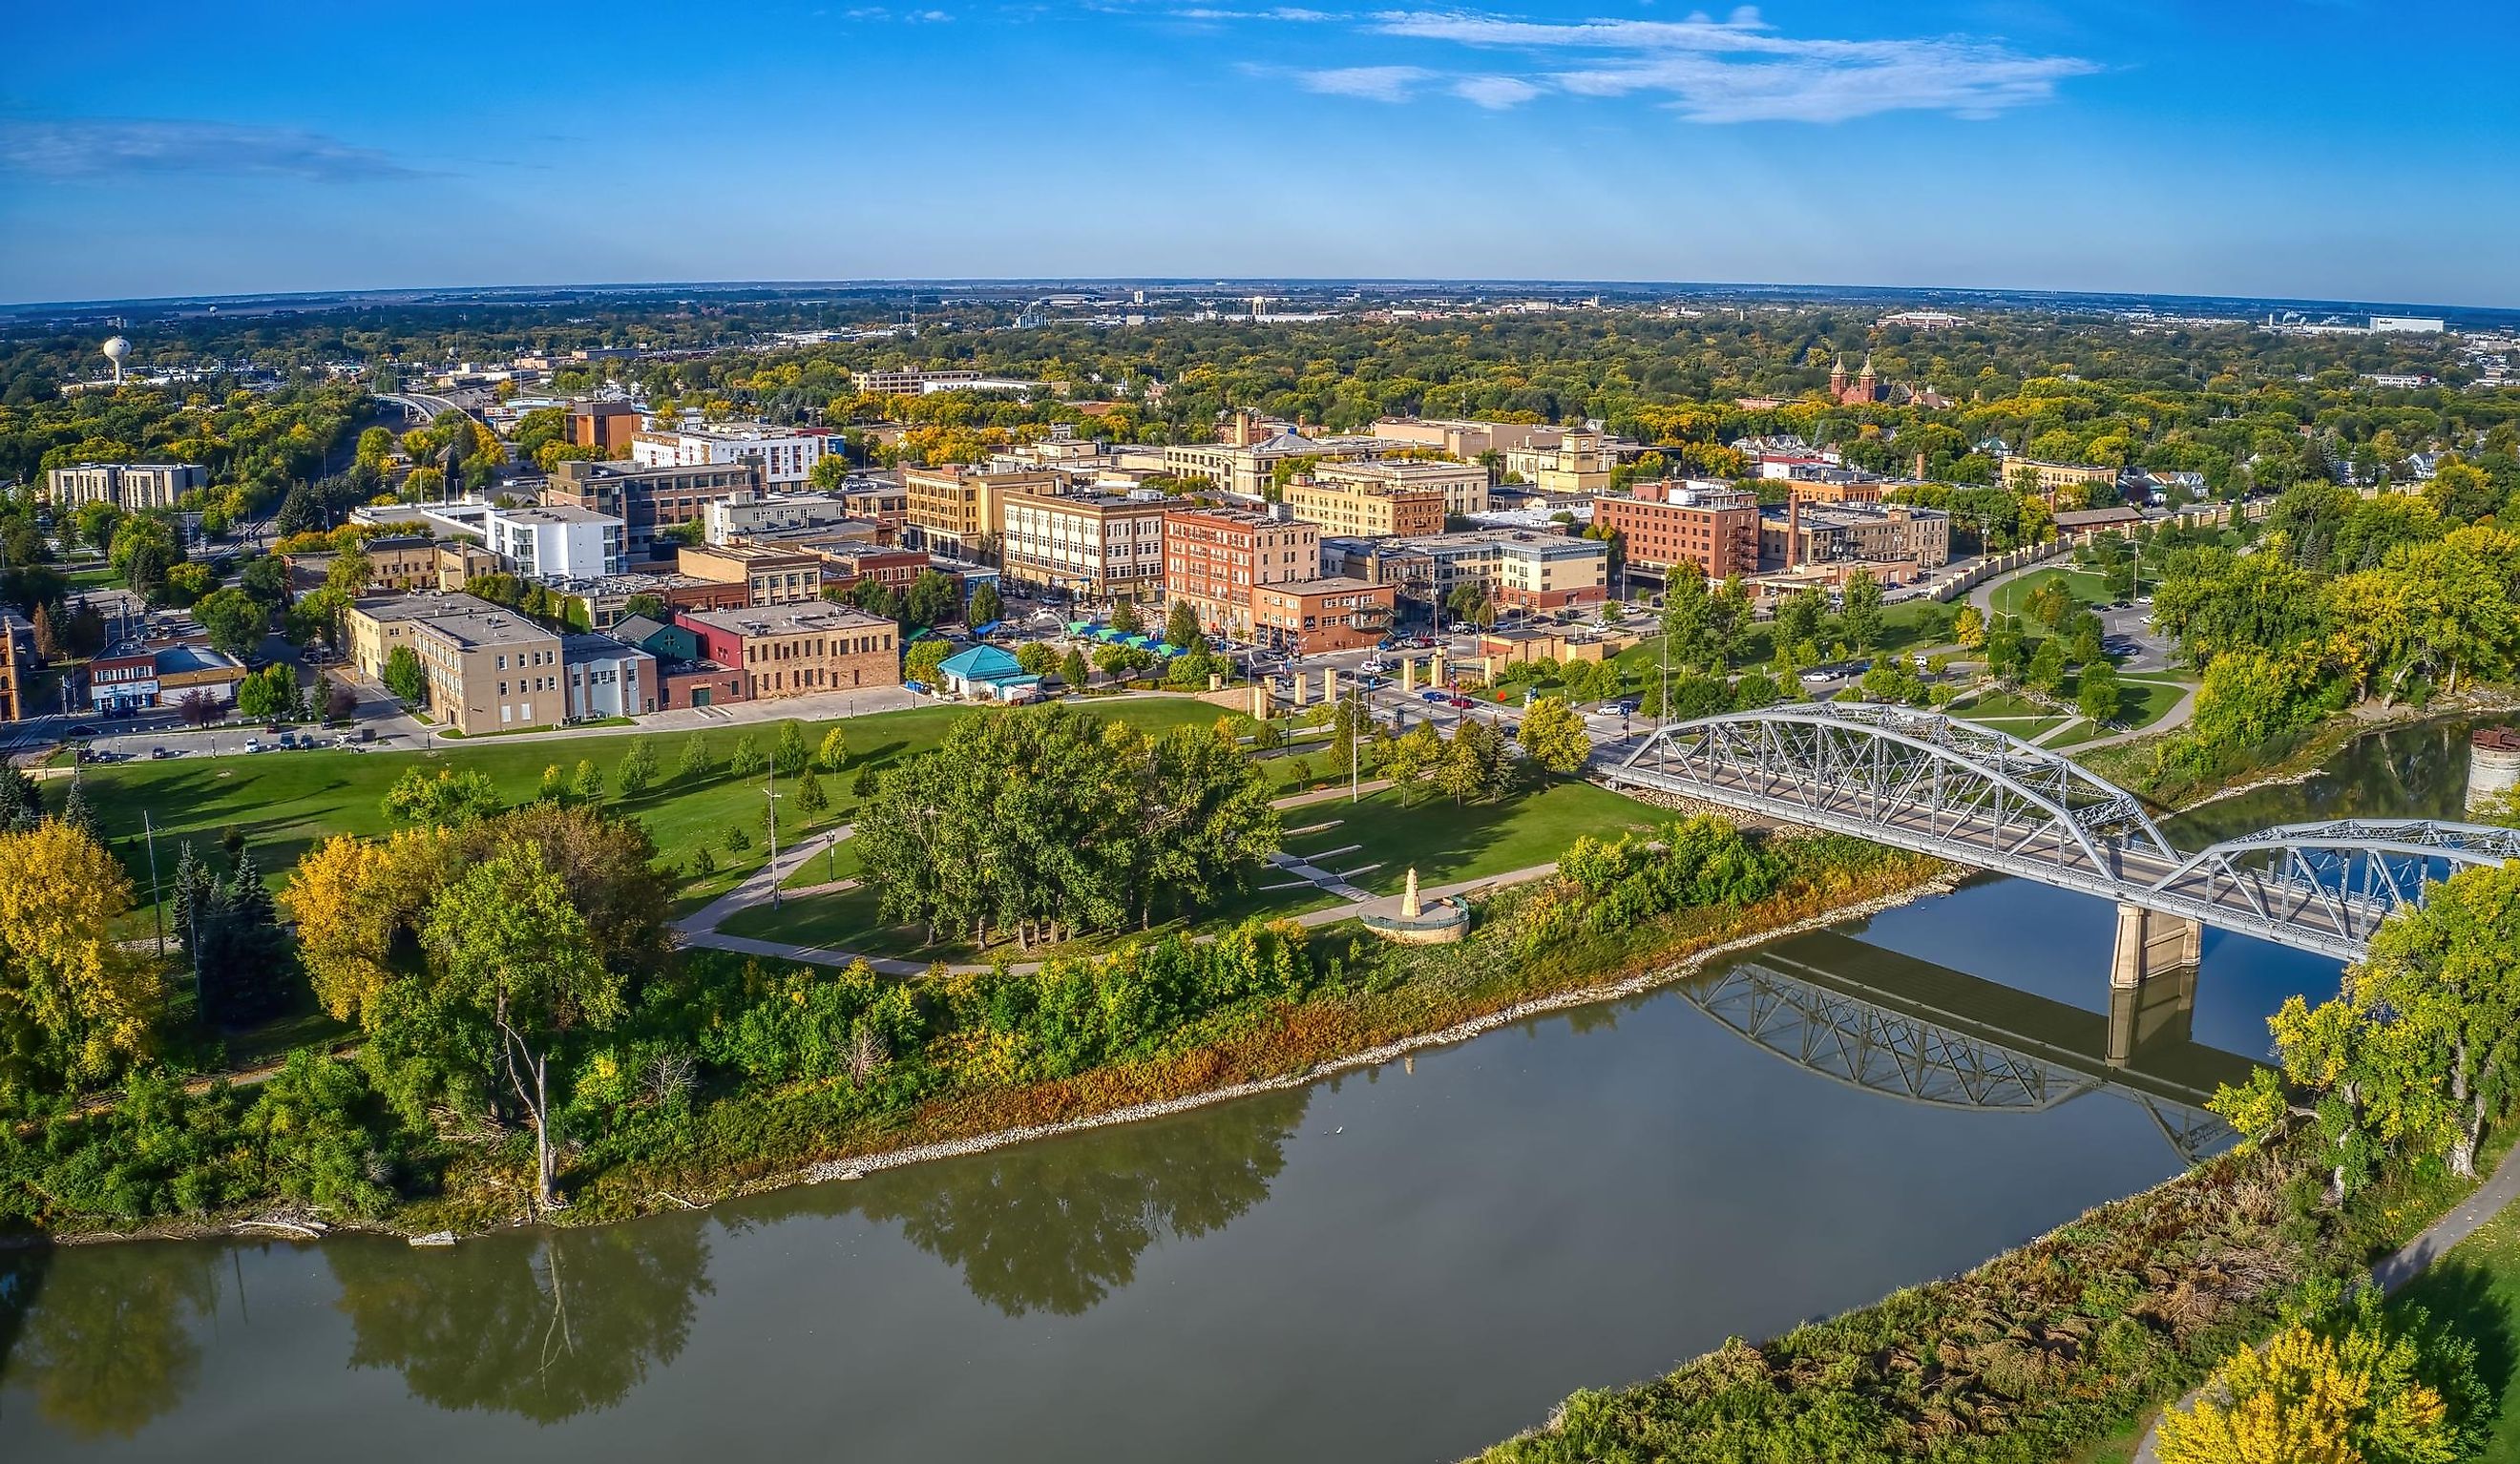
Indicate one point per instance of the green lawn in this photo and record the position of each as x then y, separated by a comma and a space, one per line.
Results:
2476, 1289
1448, 843
284, 802
2089, 586
94, 577
1909, 625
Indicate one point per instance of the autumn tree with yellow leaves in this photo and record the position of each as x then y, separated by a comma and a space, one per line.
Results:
74, 1007
2349, 1384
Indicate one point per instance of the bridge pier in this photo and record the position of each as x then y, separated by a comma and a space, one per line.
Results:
2152, 978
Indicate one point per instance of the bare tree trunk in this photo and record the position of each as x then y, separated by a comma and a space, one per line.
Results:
537, 1102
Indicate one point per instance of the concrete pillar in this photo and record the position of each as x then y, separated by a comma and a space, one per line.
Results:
1408, 675
1435, 671
2152, 950
1330, 686
1260, 701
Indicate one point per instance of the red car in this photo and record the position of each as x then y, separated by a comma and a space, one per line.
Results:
1460, 703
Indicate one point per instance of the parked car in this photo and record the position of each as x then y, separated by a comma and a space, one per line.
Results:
918, 686
1625, 706
1459, 703
288, 739
158, 752
253, 744
1819, 676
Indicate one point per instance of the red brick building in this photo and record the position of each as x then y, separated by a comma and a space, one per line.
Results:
1660, 524
798, 650
1215, 558
1306, 617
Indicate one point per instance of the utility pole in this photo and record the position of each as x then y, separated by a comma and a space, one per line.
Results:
771, 789
158, 906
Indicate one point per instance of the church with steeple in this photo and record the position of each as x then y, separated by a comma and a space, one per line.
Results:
1864, 388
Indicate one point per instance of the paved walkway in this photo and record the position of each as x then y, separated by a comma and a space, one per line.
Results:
755, 887
2400, 1267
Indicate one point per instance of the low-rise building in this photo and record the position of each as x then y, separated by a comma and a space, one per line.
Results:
877, 502
129, 486
2036, 475
1358, 508
1527, 569
555, 542
607, 427
1215, 558
488, 668
1899, 541
796, 649
137, 675
1310, 616
1579, 463
1099, 546
770, 575
457, 562
402, 562
845, 565
1465, 439
1248, 466
961, 511
1660, 524
1463, 485
606, 677
747, 513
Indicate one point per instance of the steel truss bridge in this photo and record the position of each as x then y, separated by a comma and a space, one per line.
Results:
1913, 1032
1975, 796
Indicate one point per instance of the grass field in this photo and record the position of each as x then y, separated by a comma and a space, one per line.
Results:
1444, 843
1909, 625
284, 802
2476, 1289
2088, 586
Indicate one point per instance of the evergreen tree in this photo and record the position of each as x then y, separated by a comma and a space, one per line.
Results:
1072, 669
986, 607
811, 799
244, 968
1180, 627
21, 806
1125, 618
77, 812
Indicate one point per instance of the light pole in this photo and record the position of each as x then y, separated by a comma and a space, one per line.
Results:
771, 789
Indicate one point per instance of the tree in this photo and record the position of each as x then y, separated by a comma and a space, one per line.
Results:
1688, 618
1469, 604
1474, 764
586, 783
301, 511
650, 605
1799, 616
266, 578
235, 621
1410, 758
987, 607
404, 676
1860, 610
94, 523
696, 763
1037, 659
834, 751
1125, 618
231, 929
811, 799
1554, 735
2356, 1384
511, 959
2046, 672
1072, 669
2097, 695
746, 758
1182, 627
354, 902
921, 665
270, 695
637, 771
145, 549
790, 751
1968, 628
930, 599
74, 1006
447, 800
199, 707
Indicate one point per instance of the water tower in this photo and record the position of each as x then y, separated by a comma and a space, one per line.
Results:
115, 350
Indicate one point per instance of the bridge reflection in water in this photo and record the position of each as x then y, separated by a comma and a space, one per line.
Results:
1909, 1029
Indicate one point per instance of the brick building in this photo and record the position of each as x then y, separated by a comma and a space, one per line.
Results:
649, 498
1099, 544
607, 427
1215, 558
798, 649
1711, 525
1306, 617
770, 576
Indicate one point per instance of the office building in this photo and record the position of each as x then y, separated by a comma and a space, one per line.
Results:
771, 575
647, 499
1307, 617
1365, 506
1710, 524
1098, 546
744, 514
1579, 463
1215, 558
606, 426
129, 486
961, 511
1900, 540
2033, 475
1466, 440
797, 650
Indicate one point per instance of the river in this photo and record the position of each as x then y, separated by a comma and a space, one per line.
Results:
1402, 1264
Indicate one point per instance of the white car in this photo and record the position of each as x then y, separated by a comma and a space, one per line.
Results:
1818, 678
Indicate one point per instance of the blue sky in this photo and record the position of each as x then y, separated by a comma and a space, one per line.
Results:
2310, 148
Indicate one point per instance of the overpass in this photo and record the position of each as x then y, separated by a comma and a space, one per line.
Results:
1919, 1033
1967, 793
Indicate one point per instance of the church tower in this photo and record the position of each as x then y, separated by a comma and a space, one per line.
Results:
1866, 385
1837, 380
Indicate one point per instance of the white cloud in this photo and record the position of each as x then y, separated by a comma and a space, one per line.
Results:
1495, 93
1373, 83
105, 146
1740, 68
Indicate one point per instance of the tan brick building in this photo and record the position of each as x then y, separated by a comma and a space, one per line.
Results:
1099, 545
797, 650
488, 668
1214, 557
770, 576
1464, 485
1360, 508
962, 510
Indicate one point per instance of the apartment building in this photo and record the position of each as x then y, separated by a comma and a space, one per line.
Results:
1544, 573
1530, 569
1307, 617
489, 669
607, 427
787, 454
1579, 463
879, 503
606, 677
910, 383
1215, 558
402, 562
647, 499
796, 650
1367, 509
129, 486
554, 542
730, 518
1673, 522
1101, 545
771, 576
1904, 540
1249, 467
962, 510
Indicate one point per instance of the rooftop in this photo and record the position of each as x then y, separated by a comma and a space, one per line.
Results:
554, 514
786, 620
576, 648
491, 625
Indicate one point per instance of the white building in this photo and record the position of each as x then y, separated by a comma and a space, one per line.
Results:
125, 485
742, 514
787, 454
555, 543
606, 677
2408, 324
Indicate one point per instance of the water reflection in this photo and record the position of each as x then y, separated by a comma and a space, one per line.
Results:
1890, 1024
545, 1325
111, 1346
1059, 1226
